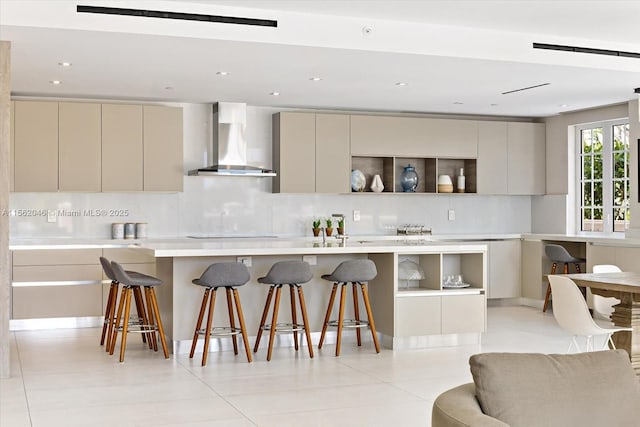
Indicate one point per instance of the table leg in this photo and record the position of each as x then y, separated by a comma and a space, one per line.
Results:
627, 314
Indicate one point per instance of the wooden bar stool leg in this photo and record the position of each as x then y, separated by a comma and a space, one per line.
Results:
372, 326
125, 323
243, 329
203, 307
264, 318
356, 312
325, 324
158, 322
303, 309
111, 315
142, 318
149, 320
343, 297
294, 320
547, 296
207, 332
232, 322
107, 310
274, 319
114, 336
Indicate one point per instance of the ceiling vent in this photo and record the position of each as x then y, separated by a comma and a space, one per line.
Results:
177, 15
577, 49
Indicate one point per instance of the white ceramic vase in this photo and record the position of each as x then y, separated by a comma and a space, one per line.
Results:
376, 184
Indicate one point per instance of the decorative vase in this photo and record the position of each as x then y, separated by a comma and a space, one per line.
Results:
461, 182
329, 231
358, 180
376, 184
316, 232
409, 179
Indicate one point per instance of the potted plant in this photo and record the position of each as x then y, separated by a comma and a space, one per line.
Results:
329, 227
341, 227
316, 227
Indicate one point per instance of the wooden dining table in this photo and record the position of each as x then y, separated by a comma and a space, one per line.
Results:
626, 287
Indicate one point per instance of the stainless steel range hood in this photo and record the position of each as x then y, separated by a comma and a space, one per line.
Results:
230, 143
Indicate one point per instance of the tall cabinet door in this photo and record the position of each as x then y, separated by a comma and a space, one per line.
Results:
162, 148
12, 160
121, 147
492, 158
294, 136
36, 146
333, 165
526, 158
79, 146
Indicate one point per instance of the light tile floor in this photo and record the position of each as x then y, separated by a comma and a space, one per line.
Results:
63, 378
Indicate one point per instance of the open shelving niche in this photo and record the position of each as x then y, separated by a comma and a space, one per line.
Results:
436, 267
428, 169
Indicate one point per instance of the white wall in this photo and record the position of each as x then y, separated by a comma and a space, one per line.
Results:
245, 205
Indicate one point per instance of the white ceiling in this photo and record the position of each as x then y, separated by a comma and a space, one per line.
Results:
456, 57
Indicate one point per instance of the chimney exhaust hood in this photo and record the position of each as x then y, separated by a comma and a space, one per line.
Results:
230, 143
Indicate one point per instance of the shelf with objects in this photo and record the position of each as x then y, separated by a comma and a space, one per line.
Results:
412, 175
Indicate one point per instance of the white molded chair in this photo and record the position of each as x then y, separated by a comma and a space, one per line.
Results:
603, 306
571, 311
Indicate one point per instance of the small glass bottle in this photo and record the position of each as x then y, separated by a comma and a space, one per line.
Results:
460, 182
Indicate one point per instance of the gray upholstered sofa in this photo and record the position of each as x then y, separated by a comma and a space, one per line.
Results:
531, 390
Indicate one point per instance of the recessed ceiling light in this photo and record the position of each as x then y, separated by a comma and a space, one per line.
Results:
458, 103
274, 93
222, 73
315, 79
55, 82
563, 105
401, 84
494, 105
64, 64
168, 87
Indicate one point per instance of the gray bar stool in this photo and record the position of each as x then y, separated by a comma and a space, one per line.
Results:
228, 275
558, 254
110, 309
291, 273
153, 322
356, 272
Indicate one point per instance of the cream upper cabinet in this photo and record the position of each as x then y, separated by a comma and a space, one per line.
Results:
492, 158
451, 138
36, 146
387, 136
333, 167
294, 148
79, 139
121, 147
413, 137
163, 159
526, 158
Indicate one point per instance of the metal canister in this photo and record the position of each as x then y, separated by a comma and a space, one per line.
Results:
117, 230
130, 230
141, 230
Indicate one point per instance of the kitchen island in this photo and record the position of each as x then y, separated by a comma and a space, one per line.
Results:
409, 313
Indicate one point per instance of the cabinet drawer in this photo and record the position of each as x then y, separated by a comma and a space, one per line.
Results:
57, 257
417, 316
57, 301
57, 273
463, 314
127, 255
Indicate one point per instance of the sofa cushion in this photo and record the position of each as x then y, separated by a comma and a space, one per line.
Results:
586, 389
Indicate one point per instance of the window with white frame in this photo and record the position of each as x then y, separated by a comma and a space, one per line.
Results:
603, 176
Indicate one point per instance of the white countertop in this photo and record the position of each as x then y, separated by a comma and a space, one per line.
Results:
244, 245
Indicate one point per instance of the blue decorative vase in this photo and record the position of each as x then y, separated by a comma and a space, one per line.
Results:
409, 179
